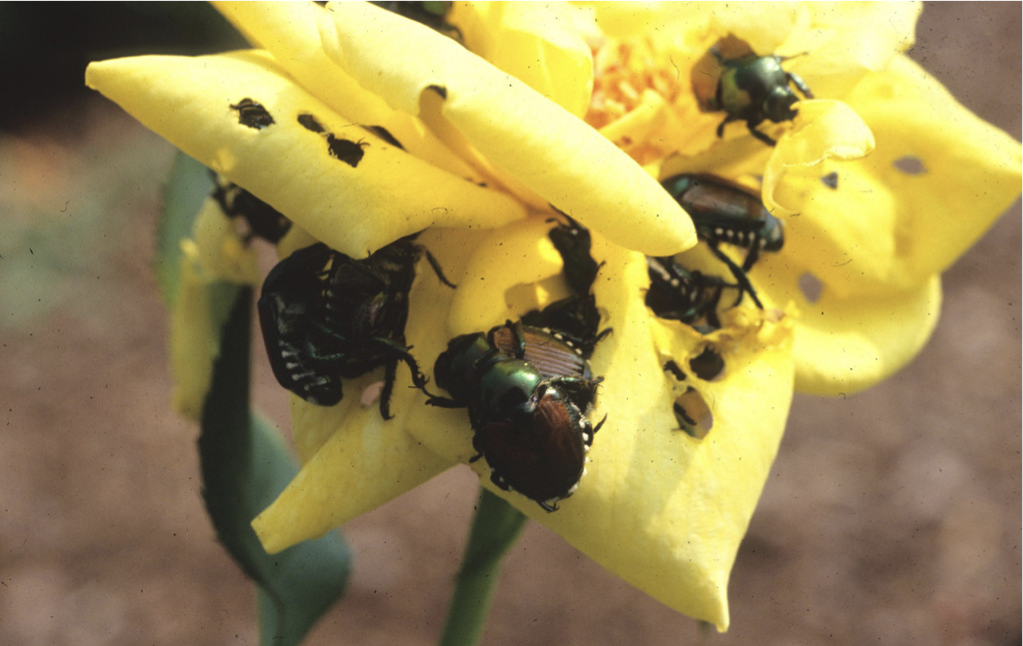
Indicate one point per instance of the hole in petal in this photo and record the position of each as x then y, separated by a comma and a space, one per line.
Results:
693, 414
348, 151
910, 165
371, 394
811, 286
673, 368
385, 134
253, 114
708, 365
830, 180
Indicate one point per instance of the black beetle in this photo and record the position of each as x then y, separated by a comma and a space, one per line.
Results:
576, 317
326, 316
723, 211
749, 88
678, 294
528, 393
264, 221
573, 242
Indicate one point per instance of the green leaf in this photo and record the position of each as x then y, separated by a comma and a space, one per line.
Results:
245, 465
189, 184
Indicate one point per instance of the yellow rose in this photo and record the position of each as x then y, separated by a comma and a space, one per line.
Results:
881, 181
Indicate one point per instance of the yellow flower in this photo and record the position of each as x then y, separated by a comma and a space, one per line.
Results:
584, 110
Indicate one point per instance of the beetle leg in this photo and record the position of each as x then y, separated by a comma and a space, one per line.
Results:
546, 507
712, 307
740, 276
499, 480
721, 126
759, 135
444, 402
752, 255
799, 83
390, 372
437, 270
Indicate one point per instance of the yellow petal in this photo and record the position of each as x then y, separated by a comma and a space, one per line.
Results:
951, 173
550, 151
823, 130
518, 254
365, 463
762, 25
660, 509
212, 260
288, 30
884, 224
846, 345
194, 342
355, 206
539, 44
625, 17
848, 40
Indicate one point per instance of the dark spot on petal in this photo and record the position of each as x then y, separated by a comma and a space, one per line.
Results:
442, 91
252, 114
708, 364
310, 123
831, 180
384, 134
693, 414
811, 287
910, 165
350, 152
673, 368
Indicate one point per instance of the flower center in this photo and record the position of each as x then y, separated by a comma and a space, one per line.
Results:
643, 99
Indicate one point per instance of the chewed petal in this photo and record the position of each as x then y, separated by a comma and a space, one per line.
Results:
824, 130
519, 254
950, 173
242, 116
539, 44
288, 30
536, 142
846, 345
659, 508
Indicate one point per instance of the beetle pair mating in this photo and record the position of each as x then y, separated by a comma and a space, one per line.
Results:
326, 317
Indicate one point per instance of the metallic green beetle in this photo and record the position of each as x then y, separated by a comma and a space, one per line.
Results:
751, 88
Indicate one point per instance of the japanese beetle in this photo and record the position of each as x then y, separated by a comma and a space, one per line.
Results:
678, 294
263, 220
723, 211
748, 88
573, 242
326, 317
575, 318
528, 393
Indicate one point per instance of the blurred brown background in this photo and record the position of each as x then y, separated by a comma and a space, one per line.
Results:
892, 517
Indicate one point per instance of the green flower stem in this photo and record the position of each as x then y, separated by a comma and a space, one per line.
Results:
495, 528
